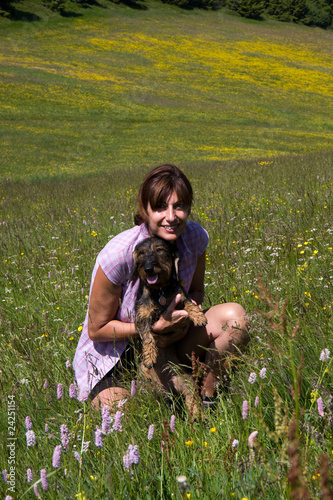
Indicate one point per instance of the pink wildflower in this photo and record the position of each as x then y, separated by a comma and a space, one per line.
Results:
126, 462
98, 437
245, 408
56, 456
31, 438
256, 402
134, 454
117, 423
36, 490
325, 354
28, 423
5, 476
43, 477
262, 373
150, 432
132, 388
72, 391
29, 475
252, 438
64, 436
59, 391
235, 443
106, 421
320, 406
131, 457
252, 378
172, 423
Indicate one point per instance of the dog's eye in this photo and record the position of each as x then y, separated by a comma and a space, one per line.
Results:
159, 249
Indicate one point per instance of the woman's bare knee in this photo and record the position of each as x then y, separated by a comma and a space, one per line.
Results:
109, 397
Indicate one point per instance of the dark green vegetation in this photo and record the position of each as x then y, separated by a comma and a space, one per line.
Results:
308, 12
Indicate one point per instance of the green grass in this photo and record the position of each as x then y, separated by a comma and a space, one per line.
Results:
119, 88
267, 219
243, 108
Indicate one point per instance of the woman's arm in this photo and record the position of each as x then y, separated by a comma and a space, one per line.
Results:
103, 306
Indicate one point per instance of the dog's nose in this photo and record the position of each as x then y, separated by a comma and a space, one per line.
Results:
149, 269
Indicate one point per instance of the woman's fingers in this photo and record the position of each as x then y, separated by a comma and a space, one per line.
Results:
173, 304
166, 340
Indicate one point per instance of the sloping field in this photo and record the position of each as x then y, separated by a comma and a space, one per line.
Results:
122, 88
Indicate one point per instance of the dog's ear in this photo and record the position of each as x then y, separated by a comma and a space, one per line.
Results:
176, 263
134, 273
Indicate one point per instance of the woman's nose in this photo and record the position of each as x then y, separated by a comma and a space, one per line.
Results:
170, 213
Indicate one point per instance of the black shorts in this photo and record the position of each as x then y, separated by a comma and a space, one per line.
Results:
125, 368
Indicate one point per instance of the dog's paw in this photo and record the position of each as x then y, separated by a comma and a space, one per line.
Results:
196, 315
200, 319
149, 354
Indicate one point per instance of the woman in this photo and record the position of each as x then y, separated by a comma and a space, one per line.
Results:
164, 202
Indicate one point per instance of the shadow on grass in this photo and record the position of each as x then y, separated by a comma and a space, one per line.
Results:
69, 13
21, 15
132, 4
89, 3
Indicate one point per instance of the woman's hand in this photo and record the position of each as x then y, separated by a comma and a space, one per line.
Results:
171, 338
172, 320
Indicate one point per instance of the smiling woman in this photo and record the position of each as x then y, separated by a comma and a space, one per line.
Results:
164, 201
168, 220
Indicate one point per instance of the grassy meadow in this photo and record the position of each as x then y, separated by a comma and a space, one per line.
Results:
119, 87
88, 105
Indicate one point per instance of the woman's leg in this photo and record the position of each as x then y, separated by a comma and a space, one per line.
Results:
110, 397
110, 389
226, 333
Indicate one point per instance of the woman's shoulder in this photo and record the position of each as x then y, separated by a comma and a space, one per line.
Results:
196, 237
116, 258
125, 241
194, 229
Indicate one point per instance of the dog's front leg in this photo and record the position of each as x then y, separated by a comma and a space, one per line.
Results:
145, 313
149, 348
195, 314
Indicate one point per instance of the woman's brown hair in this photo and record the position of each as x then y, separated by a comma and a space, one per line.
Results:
158, 186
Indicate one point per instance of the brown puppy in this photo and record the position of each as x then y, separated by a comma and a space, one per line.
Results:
156, 264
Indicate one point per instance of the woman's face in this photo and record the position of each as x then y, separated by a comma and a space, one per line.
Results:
169, 220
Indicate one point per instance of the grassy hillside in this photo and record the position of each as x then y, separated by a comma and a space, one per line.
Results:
120, 87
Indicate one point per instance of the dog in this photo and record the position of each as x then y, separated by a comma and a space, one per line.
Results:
156, 265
